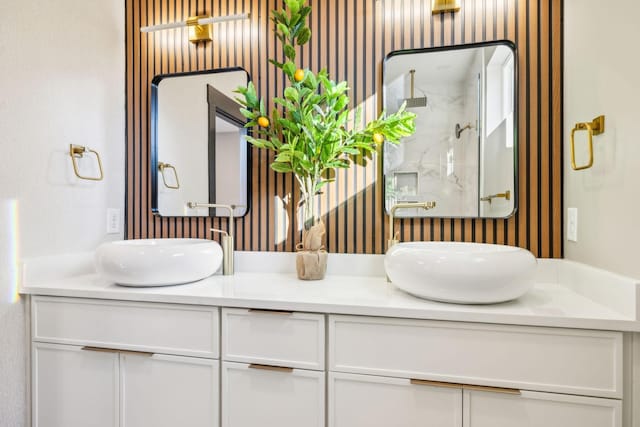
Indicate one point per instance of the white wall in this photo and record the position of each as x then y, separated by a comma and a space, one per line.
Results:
602, 76
61, 81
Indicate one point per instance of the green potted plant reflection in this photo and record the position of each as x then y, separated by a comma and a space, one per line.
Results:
310, 130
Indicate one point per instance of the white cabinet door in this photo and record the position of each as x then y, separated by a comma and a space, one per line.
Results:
370, 401
168, 391
73, 387
266, 396
533, 409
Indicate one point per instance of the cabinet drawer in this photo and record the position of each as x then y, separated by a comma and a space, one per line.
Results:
370, 401
530, 358
265, 396
533, 409
288, 339
150, 327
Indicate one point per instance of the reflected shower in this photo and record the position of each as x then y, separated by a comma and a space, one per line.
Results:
460, 129
414, 102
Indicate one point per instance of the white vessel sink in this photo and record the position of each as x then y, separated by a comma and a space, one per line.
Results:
158, 262
467, 273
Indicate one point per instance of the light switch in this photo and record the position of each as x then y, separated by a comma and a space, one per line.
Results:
572, 224
113, 221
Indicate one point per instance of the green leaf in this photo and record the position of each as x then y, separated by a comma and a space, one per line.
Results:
248, 114
291, 94
250, 96
341, 103
285, 103
281, 167
289, 125
304, 36
350, 150
283, 157
304, 11
289, 68
306, 164
293, 6
289, 52
276, 63
283, 29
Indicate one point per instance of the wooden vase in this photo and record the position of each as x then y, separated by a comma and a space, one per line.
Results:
311, 258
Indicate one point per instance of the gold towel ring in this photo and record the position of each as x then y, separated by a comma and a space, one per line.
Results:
77, 152
595, 127
162, 167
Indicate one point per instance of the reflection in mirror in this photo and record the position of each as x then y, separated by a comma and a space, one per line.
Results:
199, 151
463, 154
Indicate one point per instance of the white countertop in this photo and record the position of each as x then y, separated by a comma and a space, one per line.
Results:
567, 294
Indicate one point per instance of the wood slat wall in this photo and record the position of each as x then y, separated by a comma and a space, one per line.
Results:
351, 39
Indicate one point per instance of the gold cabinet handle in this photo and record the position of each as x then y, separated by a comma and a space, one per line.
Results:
265, 311
435, 383
270, 368
466, 386
100, 349
502, 390
595, 127
137, 353
113, 350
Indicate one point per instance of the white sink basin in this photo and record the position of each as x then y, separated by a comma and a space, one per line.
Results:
467, 273
158, 262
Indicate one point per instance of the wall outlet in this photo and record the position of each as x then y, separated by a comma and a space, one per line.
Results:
113, 221
572, 224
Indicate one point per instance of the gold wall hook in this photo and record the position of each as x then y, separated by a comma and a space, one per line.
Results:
595, 127
77, 152
506, 195
162, 167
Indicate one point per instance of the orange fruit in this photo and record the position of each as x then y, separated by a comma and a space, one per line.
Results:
299, 75
263, 122
378, 138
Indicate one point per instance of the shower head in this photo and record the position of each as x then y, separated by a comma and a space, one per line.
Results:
414, 102
460, 129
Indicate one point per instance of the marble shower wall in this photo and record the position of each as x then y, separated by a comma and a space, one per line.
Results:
446, 167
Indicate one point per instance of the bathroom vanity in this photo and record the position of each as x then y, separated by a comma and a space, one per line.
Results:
264, 349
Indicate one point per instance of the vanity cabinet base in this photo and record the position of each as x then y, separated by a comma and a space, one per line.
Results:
371, 401
258, 395
533, 409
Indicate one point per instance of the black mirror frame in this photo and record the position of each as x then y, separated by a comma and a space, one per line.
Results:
154, 139
516, 112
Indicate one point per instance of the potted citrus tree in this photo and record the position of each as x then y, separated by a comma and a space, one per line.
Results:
312, 131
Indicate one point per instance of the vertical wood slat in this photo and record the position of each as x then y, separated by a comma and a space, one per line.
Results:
351, 39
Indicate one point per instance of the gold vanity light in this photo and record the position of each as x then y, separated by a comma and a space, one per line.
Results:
197, 32
443, 6
199, 25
